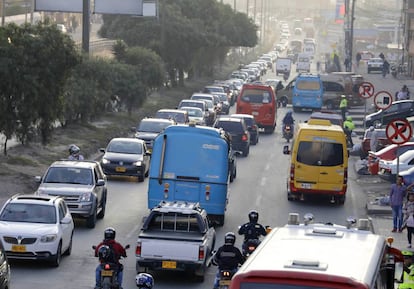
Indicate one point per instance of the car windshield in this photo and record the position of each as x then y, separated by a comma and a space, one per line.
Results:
194, 112
152, 126
69, 175
230, 126
28, 213
125, 147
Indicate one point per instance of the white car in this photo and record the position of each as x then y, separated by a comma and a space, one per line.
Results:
36, 228
388, 169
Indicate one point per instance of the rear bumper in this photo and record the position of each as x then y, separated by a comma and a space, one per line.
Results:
157, 265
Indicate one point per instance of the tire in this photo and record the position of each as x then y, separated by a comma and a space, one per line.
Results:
91, 220
141, 178
101, 214
55, 260
146, 173
106, 283
246, 151
69, 249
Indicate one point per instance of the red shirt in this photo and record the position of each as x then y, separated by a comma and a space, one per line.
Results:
118, 249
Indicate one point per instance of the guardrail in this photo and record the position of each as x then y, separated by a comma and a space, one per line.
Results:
98, 45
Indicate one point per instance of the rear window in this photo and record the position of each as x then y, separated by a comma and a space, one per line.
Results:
256, 96
229, 125
308, 85
316, 153
177, 116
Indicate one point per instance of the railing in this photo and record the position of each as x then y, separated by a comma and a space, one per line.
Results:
98, 45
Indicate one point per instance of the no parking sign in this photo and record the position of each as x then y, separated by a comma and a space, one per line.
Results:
399, 131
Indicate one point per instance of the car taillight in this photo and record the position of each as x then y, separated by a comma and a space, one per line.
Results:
201, 253
138, 249
345, 176
244, 137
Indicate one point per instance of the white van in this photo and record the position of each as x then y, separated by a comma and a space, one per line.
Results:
282, 65
303, 63
309, 48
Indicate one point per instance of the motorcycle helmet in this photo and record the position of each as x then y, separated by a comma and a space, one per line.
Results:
144, 280
229, 238
74, 149
109, 233
253, 216
104, 252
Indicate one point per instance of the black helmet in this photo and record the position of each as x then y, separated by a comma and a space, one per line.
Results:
74, 149
253, 216
104, 252
229, 238
109, 233
144, 280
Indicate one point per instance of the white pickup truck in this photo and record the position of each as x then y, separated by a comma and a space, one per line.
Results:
176, 236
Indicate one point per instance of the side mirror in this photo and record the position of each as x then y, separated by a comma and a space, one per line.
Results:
102, 150
100, 182
65, 220
38, 179
398, 273
286, 150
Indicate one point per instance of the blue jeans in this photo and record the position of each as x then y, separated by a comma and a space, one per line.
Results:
217, 279
98, 276
397, 217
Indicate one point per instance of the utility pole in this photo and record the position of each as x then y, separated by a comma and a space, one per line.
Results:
3, 12
85, 26
247, 7
349, 32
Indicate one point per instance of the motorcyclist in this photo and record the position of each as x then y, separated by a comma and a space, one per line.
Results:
118, 251
227, 257
144, 280
252, 230
286, 74
74, 153
288, 120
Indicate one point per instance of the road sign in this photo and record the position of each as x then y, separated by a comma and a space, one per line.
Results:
383, 99
366, 89
399, 131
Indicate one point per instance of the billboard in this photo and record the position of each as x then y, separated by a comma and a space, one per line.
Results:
75, 6
133, 7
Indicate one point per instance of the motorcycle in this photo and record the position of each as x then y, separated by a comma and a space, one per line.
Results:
109, 273
288, 132
249, 246
285, 76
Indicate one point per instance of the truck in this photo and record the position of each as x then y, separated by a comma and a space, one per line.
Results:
176, 236
283, 65
191, 163
311, 254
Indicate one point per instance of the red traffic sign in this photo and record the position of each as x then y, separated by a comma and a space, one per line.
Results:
383, 99
366, 89
399, 131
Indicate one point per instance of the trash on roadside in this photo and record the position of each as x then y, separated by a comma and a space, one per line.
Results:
381, 201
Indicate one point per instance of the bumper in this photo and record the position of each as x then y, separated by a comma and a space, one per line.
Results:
168, 265
114, 170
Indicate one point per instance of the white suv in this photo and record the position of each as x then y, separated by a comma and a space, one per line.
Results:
36, 228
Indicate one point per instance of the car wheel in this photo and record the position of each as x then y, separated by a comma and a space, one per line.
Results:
101, 214
246, 151
146, 173
141, 178
69, 249
91, 220
55, 261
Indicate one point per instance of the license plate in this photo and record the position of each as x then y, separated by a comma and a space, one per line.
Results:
169, 264
107, 273
255, 113
306, 186
224, 282
19, 248
120, 169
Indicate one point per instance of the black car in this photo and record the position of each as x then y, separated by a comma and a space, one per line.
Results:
251, 126
149, 128
240, 136
126, 157
398, 109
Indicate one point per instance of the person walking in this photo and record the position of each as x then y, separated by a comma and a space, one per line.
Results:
373, 141
358, 58
408, 211
397, 195
343, 106
385, 68
404, 93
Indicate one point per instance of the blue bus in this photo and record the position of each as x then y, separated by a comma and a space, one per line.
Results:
307, 92
191, 163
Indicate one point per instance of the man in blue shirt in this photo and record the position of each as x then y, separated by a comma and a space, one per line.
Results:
397, 194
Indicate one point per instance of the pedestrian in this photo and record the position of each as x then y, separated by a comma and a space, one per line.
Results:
404, 93
373, 140
358, 58
343, 106
385, 68
382, 56
408, 211
397, 195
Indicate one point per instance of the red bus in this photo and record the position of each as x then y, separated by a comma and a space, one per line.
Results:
259, 100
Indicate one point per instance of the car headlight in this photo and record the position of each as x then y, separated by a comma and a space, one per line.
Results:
86, 197
105, 161
48, 238
138, 163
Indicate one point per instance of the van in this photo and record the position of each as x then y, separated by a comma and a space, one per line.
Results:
307, 92
319, 162
259, 100
303, 62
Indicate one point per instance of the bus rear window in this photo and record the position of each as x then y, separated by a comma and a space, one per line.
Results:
315, 153
256, 96
308, 85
